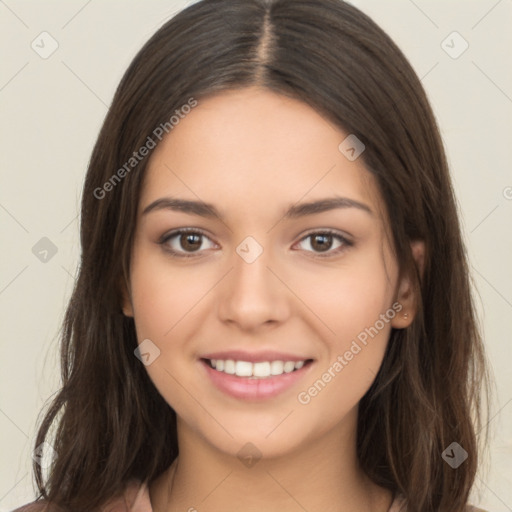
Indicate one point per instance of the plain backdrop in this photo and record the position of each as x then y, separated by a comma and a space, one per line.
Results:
51, 110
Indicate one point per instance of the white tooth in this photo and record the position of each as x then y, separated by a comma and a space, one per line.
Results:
289, 366
276, 367
229, 366
261, 369
243, 369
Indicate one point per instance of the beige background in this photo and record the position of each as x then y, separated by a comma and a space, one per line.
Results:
50, 114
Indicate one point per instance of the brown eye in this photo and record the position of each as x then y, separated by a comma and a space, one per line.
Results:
322, 242
190, 241
184, 242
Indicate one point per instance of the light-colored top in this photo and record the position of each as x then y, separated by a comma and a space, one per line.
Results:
136, 499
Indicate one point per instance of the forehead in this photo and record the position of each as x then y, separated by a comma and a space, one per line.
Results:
253, 148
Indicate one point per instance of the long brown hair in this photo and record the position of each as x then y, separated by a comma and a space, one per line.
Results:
112, 425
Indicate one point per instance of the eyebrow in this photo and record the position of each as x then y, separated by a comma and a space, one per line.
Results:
208, 210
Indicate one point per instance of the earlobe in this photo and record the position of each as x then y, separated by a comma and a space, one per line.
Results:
126, 301
128, 310
406, 295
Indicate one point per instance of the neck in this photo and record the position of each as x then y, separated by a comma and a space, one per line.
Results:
323, 475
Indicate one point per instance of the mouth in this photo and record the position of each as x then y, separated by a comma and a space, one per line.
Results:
259, 370
245, 380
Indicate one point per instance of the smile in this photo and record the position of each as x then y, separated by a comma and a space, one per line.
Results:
260, 370
254, 381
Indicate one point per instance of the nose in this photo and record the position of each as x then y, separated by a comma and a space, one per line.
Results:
253, 295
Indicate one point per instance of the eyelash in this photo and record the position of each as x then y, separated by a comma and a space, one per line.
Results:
168, 236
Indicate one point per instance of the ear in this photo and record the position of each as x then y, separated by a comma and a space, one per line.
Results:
406, 295
126, 300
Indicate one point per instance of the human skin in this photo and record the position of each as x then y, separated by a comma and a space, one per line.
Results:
252, 154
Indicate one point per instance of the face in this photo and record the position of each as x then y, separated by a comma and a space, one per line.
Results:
260, 283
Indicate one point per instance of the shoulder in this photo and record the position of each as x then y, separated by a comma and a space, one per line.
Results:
134, 499
400, 505
37, 506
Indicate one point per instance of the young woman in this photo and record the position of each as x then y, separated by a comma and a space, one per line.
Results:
273, 310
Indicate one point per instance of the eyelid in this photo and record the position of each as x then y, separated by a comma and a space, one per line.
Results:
344, 239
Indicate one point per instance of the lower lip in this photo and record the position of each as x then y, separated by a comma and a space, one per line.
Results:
254, 389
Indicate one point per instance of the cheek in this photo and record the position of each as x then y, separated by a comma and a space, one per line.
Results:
355, 304
350, 299
162, 295
163, 302
360, 317
358, 308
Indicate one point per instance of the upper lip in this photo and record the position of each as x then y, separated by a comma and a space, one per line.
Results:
254, 357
